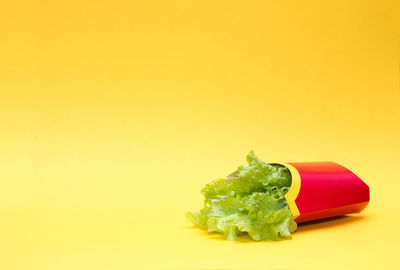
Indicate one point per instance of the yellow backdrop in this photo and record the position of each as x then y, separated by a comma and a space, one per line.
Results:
114, 114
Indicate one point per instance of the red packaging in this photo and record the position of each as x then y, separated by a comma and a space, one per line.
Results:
324, 189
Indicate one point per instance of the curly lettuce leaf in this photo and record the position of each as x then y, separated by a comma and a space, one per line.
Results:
252, 202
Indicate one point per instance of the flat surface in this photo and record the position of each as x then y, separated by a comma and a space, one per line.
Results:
114, 115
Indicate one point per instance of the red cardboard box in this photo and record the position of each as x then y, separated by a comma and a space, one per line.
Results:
324, 189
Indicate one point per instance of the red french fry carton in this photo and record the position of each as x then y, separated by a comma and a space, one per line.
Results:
324, 189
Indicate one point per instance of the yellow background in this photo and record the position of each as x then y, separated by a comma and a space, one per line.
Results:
113, 115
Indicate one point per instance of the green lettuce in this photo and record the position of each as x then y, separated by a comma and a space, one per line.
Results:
252, 201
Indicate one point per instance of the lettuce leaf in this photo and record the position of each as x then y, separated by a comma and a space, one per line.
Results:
252, 201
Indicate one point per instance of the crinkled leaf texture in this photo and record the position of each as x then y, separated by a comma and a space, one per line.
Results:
252, 202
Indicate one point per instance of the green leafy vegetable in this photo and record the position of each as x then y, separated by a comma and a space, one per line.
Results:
251, 201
